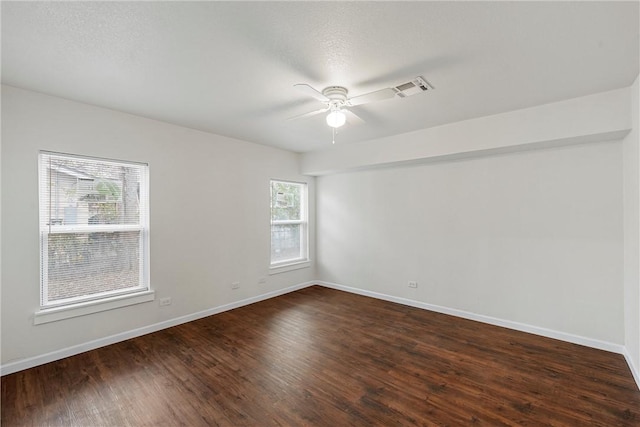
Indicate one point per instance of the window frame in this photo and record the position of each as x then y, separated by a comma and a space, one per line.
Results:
98, 301
302, 261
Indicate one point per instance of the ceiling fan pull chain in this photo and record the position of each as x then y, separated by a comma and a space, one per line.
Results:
333, 140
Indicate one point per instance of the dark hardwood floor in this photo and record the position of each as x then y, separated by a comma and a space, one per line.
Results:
321, 357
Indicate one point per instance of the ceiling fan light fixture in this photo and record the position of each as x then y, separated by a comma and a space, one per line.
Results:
336, 118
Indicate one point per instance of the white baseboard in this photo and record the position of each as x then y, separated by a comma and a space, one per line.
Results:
549, 333
634, 369
31, 362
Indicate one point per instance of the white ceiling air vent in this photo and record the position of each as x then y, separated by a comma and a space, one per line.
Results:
417, 85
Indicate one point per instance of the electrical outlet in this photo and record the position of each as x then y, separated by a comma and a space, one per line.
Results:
165, 301
413, 284
235, 285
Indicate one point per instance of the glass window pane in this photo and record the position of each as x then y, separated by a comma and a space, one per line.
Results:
84, 264
88, 191
286, 200
285, 242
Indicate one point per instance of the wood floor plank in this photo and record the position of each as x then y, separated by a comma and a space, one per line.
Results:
321, 357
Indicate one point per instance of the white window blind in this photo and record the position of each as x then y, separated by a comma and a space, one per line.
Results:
93, 228
289, 235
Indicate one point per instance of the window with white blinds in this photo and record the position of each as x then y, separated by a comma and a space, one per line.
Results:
94, 217
289, 235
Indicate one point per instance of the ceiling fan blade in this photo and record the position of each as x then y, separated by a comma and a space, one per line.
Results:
309, 114
377, 95
308, 90
353, 118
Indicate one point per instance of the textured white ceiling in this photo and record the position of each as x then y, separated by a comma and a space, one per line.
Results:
229, 67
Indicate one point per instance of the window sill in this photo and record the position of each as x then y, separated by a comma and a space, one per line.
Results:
282, 268
47, 315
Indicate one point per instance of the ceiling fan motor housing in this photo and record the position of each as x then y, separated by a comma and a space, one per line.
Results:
337, 95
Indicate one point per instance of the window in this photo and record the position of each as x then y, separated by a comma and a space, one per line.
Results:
289, 234
94, 217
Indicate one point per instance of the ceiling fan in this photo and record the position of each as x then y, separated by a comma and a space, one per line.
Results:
337, 101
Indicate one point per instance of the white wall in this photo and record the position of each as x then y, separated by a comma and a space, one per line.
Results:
532, 237
209, 216
631, 150
515, 219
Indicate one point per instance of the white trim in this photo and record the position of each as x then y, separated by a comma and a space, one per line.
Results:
31, 362
523, 327
289, 266
53, 314
288, 222
633, 368
118, 162
91, 228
